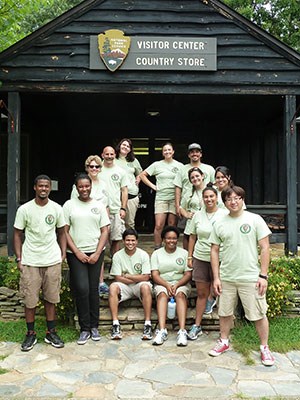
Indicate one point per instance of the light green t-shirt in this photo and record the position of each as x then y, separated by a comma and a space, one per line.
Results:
201, 226
171, 266
138, 263
164, 173
182, 178
40, 248
239, 237
98, 192
115, 179
132, 169
85, 219
191, 203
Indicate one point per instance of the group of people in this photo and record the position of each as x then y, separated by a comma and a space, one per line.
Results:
219, 249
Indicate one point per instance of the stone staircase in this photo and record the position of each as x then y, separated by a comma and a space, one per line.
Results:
131, 314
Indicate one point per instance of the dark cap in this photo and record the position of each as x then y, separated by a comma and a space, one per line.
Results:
194, 146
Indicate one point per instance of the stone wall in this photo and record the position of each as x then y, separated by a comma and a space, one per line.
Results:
11, 304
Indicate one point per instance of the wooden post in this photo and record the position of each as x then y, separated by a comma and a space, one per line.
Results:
13, 165
291, 173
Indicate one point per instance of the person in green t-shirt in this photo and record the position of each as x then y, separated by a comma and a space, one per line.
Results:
87, 233
164, 206
131, 269
199, 254
126, 159
171, 276
240, 274
39, 258
192, 202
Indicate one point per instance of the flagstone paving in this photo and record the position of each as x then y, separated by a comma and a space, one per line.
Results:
134, 369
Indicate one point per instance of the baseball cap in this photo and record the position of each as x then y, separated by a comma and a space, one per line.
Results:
194, 146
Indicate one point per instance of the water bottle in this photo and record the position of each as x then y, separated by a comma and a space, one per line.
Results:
171, 308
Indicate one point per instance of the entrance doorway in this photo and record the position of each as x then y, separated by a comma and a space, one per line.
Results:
147, 151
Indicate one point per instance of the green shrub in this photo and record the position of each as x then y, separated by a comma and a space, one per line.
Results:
284, 276
9, 273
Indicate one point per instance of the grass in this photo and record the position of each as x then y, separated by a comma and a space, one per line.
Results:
14, 331
284, 337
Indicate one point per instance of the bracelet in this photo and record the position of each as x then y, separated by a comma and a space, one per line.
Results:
18, 259
124, 209
263, 276
190, 258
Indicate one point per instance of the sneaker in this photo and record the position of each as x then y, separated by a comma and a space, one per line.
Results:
219, 348
53, 339
266, 357
194, 332
209, 306
95, 334
147, 333
116, 333
29, 341
103, 289
161, 336
182, 338
83, 337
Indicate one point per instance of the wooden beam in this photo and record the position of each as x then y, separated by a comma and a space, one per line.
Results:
291, 173
13, 165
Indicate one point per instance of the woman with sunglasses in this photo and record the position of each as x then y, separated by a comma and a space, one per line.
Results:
87, 233
93, 167
126, 159
192, 203
199, 253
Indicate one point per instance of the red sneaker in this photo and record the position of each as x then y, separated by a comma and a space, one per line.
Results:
219, 348
266, 357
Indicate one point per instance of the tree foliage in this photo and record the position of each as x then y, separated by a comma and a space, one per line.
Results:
281, 18
18, 18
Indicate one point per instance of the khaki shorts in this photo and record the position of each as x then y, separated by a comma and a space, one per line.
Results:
129, 291
132, 206
186, 289
33, 279
255, 305
202, 271
117, 227
165, 207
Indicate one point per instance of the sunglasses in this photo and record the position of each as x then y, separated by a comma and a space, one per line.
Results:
94, 166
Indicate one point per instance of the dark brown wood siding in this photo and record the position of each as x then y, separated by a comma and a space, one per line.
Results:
245, 63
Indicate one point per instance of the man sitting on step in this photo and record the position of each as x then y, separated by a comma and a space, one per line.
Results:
131, 269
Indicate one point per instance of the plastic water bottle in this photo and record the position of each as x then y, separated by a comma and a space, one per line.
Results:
171, 308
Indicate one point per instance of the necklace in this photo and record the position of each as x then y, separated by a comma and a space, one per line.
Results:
210, 215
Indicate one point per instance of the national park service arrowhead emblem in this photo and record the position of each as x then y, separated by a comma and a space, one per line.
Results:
113, 48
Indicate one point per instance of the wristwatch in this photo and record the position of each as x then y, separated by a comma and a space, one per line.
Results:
18, 259
263, 276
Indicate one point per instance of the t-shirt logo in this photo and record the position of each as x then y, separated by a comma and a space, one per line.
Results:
179, 261
95, 210
245, 228
49, 219
138, 268
174, 170
115, 177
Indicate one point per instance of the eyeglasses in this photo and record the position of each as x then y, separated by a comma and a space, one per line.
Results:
94, 166
233, 199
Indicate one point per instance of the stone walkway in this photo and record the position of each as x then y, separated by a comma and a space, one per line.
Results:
134, 369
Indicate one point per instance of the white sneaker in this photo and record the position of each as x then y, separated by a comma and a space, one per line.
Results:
182, 337
161, 335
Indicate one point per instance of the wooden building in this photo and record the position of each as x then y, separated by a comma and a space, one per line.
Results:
237, 96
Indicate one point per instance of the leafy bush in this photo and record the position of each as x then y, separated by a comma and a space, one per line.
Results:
284, 276
9, 273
